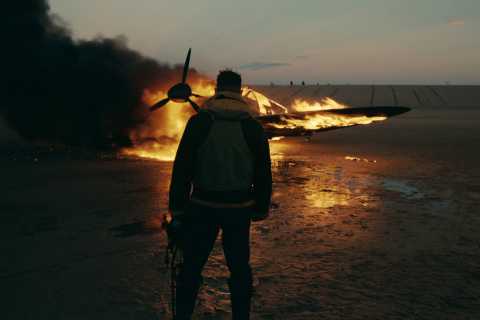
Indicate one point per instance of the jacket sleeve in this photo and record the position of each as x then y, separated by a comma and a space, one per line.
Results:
262, 172
182, 173
196, 131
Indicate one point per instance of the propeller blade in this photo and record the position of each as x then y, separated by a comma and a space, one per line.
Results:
197, 95
185, 67
194, 105
159, 104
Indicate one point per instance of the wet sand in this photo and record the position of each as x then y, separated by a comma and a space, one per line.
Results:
370, 222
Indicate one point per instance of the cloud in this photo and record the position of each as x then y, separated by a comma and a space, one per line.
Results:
262, 65
305, 57
455, 22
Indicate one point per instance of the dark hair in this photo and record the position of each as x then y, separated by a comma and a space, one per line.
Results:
228, 80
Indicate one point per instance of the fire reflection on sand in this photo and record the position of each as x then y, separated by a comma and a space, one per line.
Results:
321, 187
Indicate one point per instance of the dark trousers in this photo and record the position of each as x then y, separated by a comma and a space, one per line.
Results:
202, 228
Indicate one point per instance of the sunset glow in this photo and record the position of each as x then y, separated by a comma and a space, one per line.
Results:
455, 22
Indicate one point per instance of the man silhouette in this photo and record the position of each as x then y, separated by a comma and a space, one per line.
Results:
224, 154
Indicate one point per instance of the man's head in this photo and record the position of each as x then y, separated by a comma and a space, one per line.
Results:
228, 80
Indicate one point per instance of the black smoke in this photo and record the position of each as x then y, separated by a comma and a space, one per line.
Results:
74, 92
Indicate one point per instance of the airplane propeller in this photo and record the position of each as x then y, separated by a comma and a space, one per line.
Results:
181, 92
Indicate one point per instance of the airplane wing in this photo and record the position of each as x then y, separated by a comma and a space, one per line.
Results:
309, 122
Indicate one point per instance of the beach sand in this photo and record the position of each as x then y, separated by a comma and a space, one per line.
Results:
370, 222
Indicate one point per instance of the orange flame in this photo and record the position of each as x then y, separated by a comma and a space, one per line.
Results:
159, 135
316, 122
322, 121
325, 104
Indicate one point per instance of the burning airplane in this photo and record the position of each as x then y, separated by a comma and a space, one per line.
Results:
303, 120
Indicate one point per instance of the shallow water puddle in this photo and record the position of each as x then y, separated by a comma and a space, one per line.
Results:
433, 205
399, 186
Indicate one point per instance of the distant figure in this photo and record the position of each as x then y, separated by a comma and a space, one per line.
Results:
303, 83
224, 154
272, 84
291, 83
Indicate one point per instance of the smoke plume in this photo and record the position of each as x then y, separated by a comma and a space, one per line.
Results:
74, 92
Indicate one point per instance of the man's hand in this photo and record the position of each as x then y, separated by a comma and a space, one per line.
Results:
178, 222
175, 229
177, 219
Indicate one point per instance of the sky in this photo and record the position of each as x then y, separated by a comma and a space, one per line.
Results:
278, 41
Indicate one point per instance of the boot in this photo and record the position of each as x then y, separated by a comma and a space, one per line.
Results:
240, 296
